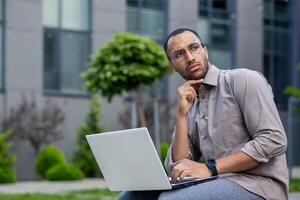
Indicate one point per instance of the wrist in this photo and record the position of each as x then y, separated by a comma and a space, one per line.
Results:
181, 116
212, 167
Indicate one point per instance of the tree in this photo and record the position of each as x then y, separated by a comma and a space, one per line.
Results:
83, 157
129, 62
124, 64
38, 127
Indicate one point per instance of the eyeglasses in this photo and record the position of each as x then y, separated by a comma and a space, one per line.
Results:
194, 48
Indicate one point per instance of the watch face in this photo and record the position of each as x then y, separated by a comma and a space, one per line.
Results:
211, 162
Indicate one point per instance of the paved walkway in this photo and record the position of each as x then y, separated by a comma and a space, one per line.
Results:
62, 186
51, 186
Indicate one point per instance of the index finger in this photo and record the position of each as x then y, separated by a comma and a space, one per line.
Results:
192, 82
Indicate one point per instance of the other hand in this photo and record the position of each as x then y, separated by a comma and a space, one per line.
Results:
189, 168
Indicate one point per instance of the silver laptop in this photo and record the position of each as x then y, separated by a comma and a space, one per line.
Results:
129, 162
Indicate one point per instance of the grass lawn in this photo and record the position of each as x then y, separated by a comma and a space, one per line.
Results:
295, 185
75, 195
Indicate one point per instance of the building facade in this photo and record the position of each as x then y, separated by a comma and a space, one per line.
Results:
46, 43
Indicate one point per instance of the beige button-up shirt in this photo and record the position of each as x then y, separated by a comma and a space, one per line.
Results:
235, 112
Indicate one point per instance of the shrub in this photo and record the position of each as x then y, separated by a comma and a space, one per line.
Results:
64, 171
163, 151
83, 156
7, 173
48, 157
37, 126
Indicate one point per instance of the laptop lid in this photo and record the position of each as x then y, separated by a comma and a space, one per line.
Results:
128, 160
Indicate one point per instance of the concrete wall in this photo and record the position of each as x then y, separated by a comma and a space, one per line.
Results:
23, 66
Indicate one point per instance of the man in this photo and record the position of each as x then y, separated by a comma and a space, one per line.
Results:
229, 118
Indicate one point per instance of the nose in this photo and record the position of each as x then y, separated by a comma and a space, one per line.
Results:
189, 57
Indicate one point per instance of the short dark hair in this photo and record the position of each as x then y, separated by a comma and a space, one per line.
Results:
176, 32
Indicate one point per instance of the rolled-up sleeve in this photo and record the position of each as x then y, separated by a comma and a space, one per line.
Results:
255, 98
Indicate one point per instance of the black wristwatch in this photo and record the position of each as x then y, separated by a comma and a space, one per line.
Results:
211, 165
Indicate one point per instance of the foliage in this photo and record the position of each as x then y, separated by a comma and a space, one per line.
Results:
99, 194
124, 64
83, 157
294, 185
164, 147
7, 173
39, 127
290, 90
63, 171
293, 91
48, 157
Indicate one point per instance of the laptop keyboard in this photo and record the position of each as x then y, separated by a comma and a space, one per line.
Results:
185, 179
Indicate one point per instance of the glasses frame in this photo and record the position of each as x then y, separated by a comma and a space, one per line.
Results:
183, 51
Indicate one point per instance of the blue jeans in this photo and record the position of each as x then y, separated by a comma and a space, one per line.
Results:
213, 190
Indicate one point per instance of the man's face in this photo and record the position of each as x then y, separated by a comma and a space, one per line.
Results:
187, 56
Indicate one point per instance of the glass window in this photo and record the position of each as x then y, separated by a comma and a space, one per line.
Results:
215, 29
132, 19
66, 44
75, 15
147, 17
219, 4
219, 34
152, 24
220, 58
74, 56
203, 30
50, 13
277, 48
51, 71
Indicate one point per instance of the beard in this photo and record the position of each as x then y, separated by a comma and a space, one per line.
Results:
197, 75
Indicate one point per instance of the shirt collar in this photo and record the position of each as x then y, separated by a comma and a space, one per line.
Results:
212, 76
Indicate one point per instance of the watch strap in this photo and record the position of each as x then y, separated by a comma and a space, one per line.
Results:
211, 165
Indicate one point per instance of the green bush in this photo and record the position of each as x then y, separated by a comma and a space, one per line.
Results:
7, 173
64, 171
83, 156
48, 157
164, 151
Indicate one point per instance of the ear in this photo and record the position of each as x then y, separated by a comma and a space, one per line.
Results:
172, 66
206, 52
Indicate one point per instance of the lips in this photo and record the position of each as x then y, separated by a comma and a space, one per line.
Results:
192, 67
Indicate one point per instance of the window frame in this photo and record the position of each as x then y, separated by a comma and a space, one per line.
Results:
81, 92
218, 17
